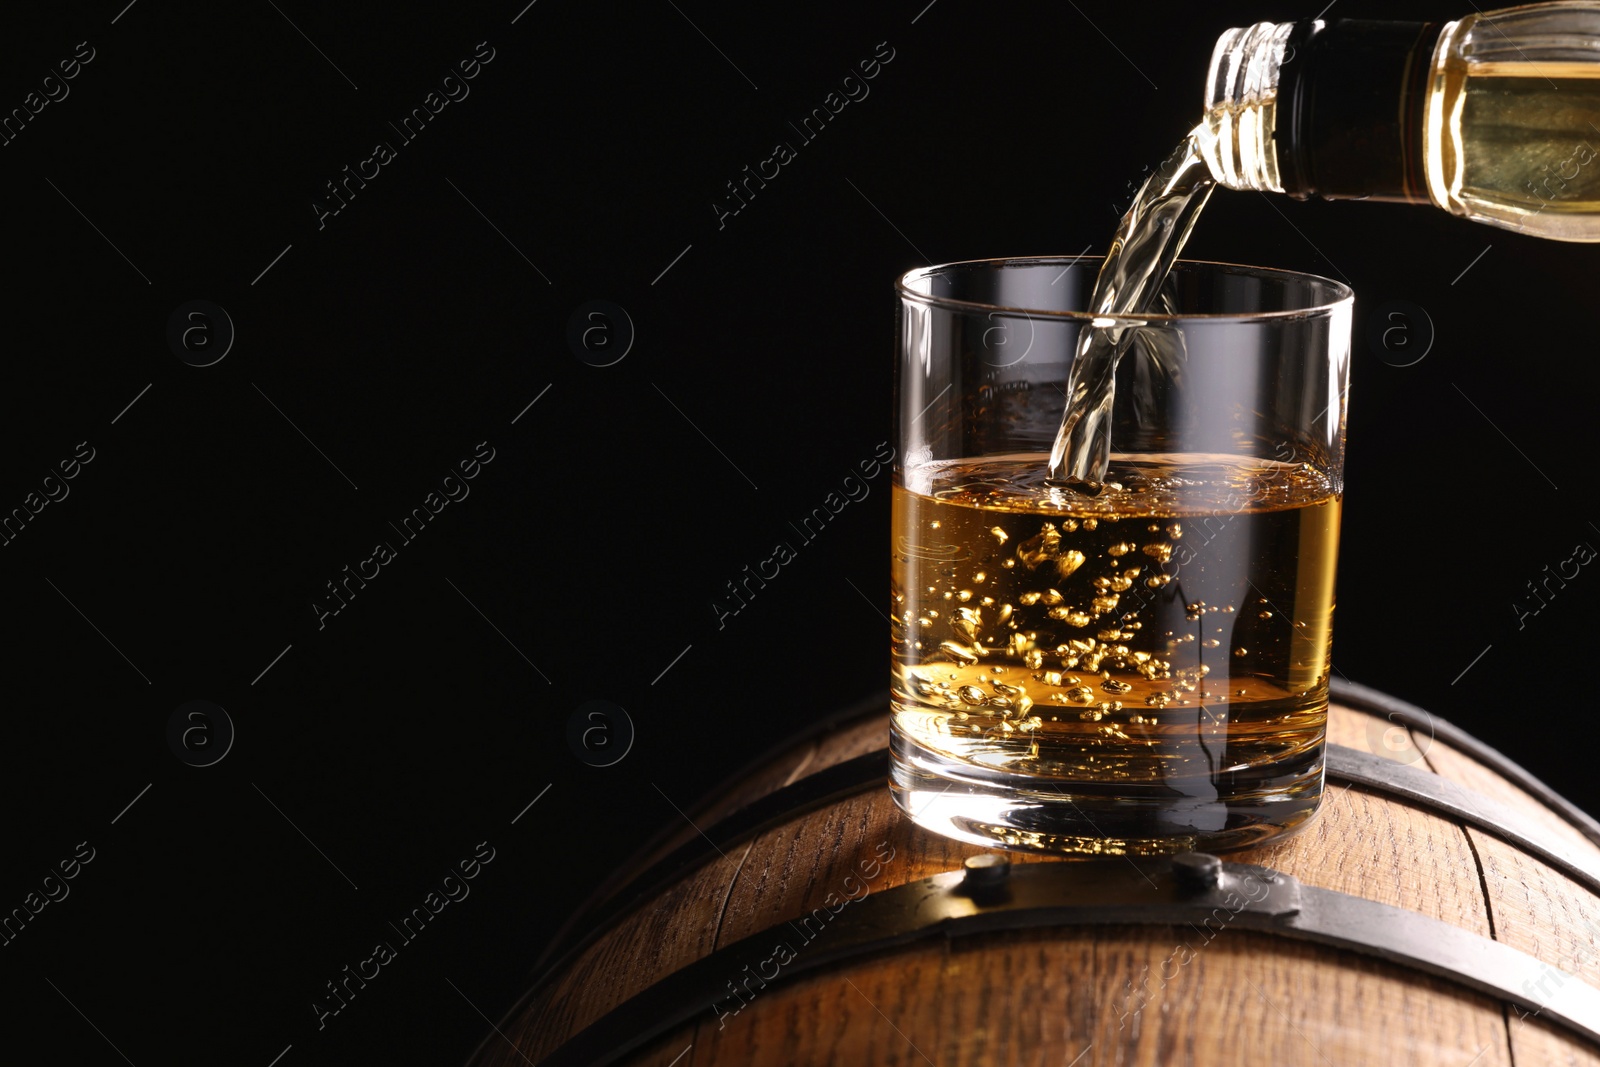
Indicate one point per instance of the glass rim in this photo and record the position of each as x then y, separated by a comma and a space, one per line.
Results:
1345, 298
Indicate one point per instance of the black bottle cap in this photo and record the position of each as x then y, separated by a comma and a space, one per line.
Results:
1351, 97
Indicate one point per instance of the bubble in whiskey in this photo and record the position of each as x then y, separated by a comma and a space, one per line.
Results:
1068, 562
1111, 685
965, 621
1080, 694
1040, 547
1161, 552
960, 653
1158, 700
971, 694
999, 535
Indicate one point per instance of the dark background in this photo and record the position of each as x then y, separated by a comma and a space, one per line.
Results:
376, 352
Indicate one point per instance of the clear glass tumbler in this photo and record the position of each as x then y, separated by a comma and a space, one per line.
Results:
1141, 669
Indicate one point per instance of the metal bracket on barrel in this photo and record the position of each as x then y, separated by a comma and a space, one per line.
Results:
1190, 886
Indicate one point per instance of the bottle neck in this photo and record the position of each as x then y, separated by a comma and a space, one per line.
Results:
1241, 104
1312, 109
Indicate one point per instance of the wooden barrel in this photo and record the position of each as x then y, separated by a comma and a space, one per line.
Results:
1443, 908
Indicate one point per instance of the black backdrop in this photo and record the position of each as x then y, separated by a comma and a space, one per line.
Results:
376, 348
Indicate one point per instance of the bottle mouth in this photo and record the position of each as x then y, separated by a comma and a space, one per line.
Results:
1241, 102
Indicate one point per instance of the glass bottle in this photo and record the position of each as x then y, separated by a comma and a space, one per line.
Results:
1494, 117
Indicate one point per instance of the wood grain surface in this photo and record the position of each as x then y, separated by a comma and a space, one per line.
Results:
1108, 995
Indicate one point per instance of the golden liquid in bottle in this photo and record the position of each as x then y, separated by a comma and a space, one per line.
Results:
1517, 145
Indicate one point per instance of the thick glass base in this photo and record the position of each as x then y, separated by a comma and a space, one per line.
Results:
997, 809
